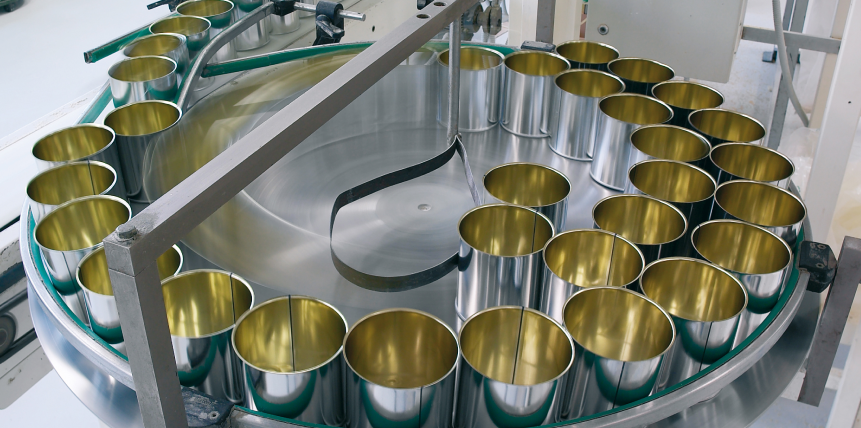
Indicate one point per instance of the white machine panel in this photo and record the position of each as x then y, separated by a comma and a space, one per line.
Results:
697, 38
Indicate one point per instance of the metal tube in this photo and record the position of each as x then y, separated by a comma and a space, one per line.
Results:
345, 14
453, 79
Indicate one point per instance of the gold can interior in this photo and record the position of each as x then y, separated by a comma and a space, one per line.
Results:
752, 162
641, 70
527, 184
290, 334
637, 109
142, 118
505, 230
516, 346
593, 258
201, 303
759, 203
741, 247
670, 143
727, 125
536, 63
93, 270
688, 95
617, 324
401, 349
76, 142
70, 181
474, 59
693, 290
204, 8
142, 69
587, 52
156, 44
640, 219
82, 223
672, 181
589, 83
185, 25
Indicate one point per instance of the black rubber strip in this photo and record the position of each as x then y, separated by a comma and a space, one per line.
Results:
413, 280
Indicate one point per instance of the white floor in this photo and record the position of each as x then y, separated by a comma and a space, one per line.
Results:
48, 404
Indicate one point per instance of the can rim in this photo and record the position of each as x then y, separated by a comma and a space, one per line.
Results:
416, 311
289, 298
688, 83
746, 116
92, 254
534, 164
589, 71
602, 231
634, 58
468, 47
675, 127
744, 224
754, 147
74, 201
650, 99
80, 125
182, 42
138, 59
232, 7
638, 295
709, 265
681, 164
67, 164
678, 211
129, 105
525, 309
533, 52
768, 186
486, 206
219, 271
181, 17
586, 42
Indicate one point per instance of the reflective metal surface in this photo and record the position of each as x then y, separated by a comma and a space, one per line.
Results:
705, 303
513, 369
618, 116
584, 258
734, 161
100, 304
139, 127
721, 126
256, 36
758, 258
575, 110
773, 208
531, 185
669, 142
528, 91
292, 349
202, 308
620, 340
401, 370
655, 226
143, 78
72, 231
195, 30
284, 24
270, 239
639, 74
168, 45
220, 14
685, 97
480, 88
688, 188
56, 186
500, 257
587, 54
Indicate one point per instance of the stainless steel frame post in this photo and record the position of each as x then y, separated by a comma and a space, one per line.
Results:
131, 257
454, 79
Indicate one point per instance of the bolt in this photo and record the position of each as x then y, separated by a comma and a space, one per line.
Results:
603, 29
821, 246
424, 207
126, 231
820, 265
213, 415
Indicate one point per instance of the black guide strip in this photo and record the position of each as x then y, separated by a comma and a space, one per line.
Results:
413, 280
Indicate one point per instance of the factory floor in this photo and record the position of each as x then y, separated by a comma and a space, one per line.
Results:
49, 72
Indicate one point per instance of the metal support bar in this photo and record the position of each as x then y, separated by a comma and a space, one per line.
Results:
545, 20
343, 14
131, 261
214, 45
143, 319
453, 79
831, 323
793, 39
781, 103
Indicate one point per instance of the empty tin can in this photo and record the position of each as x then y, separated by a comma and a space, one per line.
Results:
400, 370
705, 303
668, 142
143, 78
587, 54
770, 207
758, 258
292, 349
202, 309
101, 305
256, 36
513, 366
56, 186
721, 126
743, 161
621, 339
194, 28
480, 88
500, 257
528, 91
575, 110
639, 74
168, 45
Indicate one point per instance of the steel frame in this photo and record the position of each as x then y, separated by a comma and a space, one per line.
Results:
132, 250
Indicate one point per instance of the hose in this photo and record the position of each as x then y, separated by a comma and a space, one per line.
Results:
784, 63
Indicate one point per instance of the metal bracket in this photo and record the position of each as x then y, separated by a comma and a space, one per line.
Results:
834, 314
819, 260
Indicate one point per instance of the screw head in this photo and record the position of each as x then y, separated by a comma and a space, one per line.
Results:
126, 231
820, 265
213, 415
821, 246
603, 29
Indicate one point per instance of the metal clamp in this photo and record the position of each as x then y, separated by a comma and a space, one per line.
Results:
819, 261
